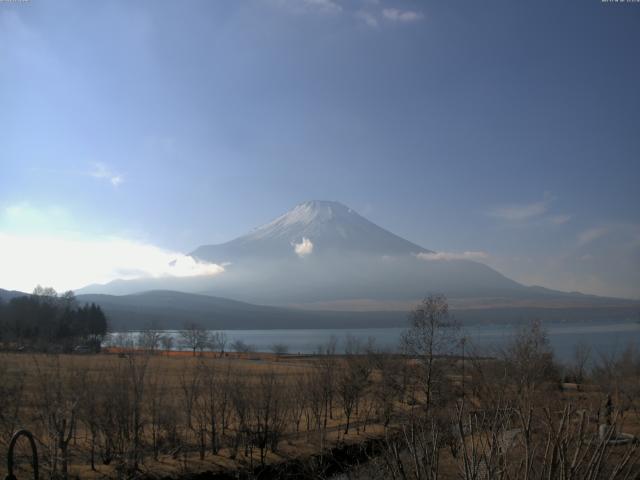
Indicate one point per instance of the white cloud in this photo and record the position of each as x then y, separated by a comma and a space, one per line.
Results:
323, 5
309, 6
590, 235
397, 15
67, 262
452, 256
368, 18
523, 211
304, 248
560, 219
101, 171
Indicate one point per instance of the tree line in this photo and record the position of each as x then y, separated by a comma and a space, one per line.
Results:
46, 321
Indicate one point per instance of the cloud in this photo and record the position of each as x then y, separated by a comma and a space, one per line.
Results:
560, 219
590, 235
309, 6
304, 248
367, 17
397, 15
434, 256
70, 262
522, 211
323, 5
603, 260
101, 171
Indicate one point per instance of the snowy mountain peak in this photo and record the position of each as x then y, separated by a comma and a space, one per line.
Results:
325, 226
313, 211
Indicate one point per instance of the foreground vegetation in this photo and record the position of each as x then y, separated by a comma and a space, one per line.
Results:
430, 412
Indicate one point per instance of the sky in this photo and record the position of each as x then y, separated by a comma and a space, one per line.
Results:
132, 132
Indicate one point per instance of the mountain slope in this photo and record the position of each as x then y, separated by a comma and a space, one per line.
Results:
164, 309
325, 251
171, 310
331, 227
7, 295
322, 253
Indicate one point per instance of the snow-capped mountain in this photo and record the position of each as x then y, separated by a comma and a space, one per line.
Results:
323, 253
314, 227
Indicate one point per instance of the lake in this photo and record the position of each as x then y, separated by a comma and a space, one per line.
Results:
603, 337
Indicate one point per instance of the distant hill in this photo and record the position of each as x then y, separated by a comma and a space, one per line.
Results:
165, 309
6, 295
171, 310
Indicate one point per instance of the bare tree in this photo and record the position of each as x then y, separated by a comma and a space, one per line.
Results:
214, 396
413, 451
149, 340
529, 360
388, 389
195, 337
297, 404
577, 368
240, 397
136, 371
90, 411
58, 395
352, 378
431, 333
192, 392
158, 397
241, 346
12, 391
269, 415
279, 349
219, 342
618, 374
167, 342
122, 340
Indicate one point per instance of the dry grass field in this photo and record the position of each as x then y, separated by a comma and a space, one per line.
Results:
99, 392
137, 414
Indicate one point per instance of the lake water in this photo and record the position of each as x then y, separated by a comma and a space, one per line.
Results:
603, 337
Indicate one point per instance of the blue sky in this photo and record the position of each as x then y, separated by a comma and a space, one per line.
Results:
509, 128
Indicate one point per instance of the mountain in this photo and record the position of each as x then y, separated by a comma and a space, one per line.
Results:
171, 310
322, 251
165, 309
330, 227
324, 255
6, 295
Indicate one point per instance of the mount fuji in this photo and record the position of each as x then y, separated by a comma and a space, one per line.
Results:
324, 255
328, 227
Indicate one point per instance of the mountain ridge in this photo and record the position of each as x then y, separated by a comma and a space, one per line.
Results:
323, 252
162, 309
328, 225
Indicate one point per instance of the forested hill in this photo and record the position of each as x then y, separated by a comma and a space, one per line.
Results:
46, 321
166, 309
171, 310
